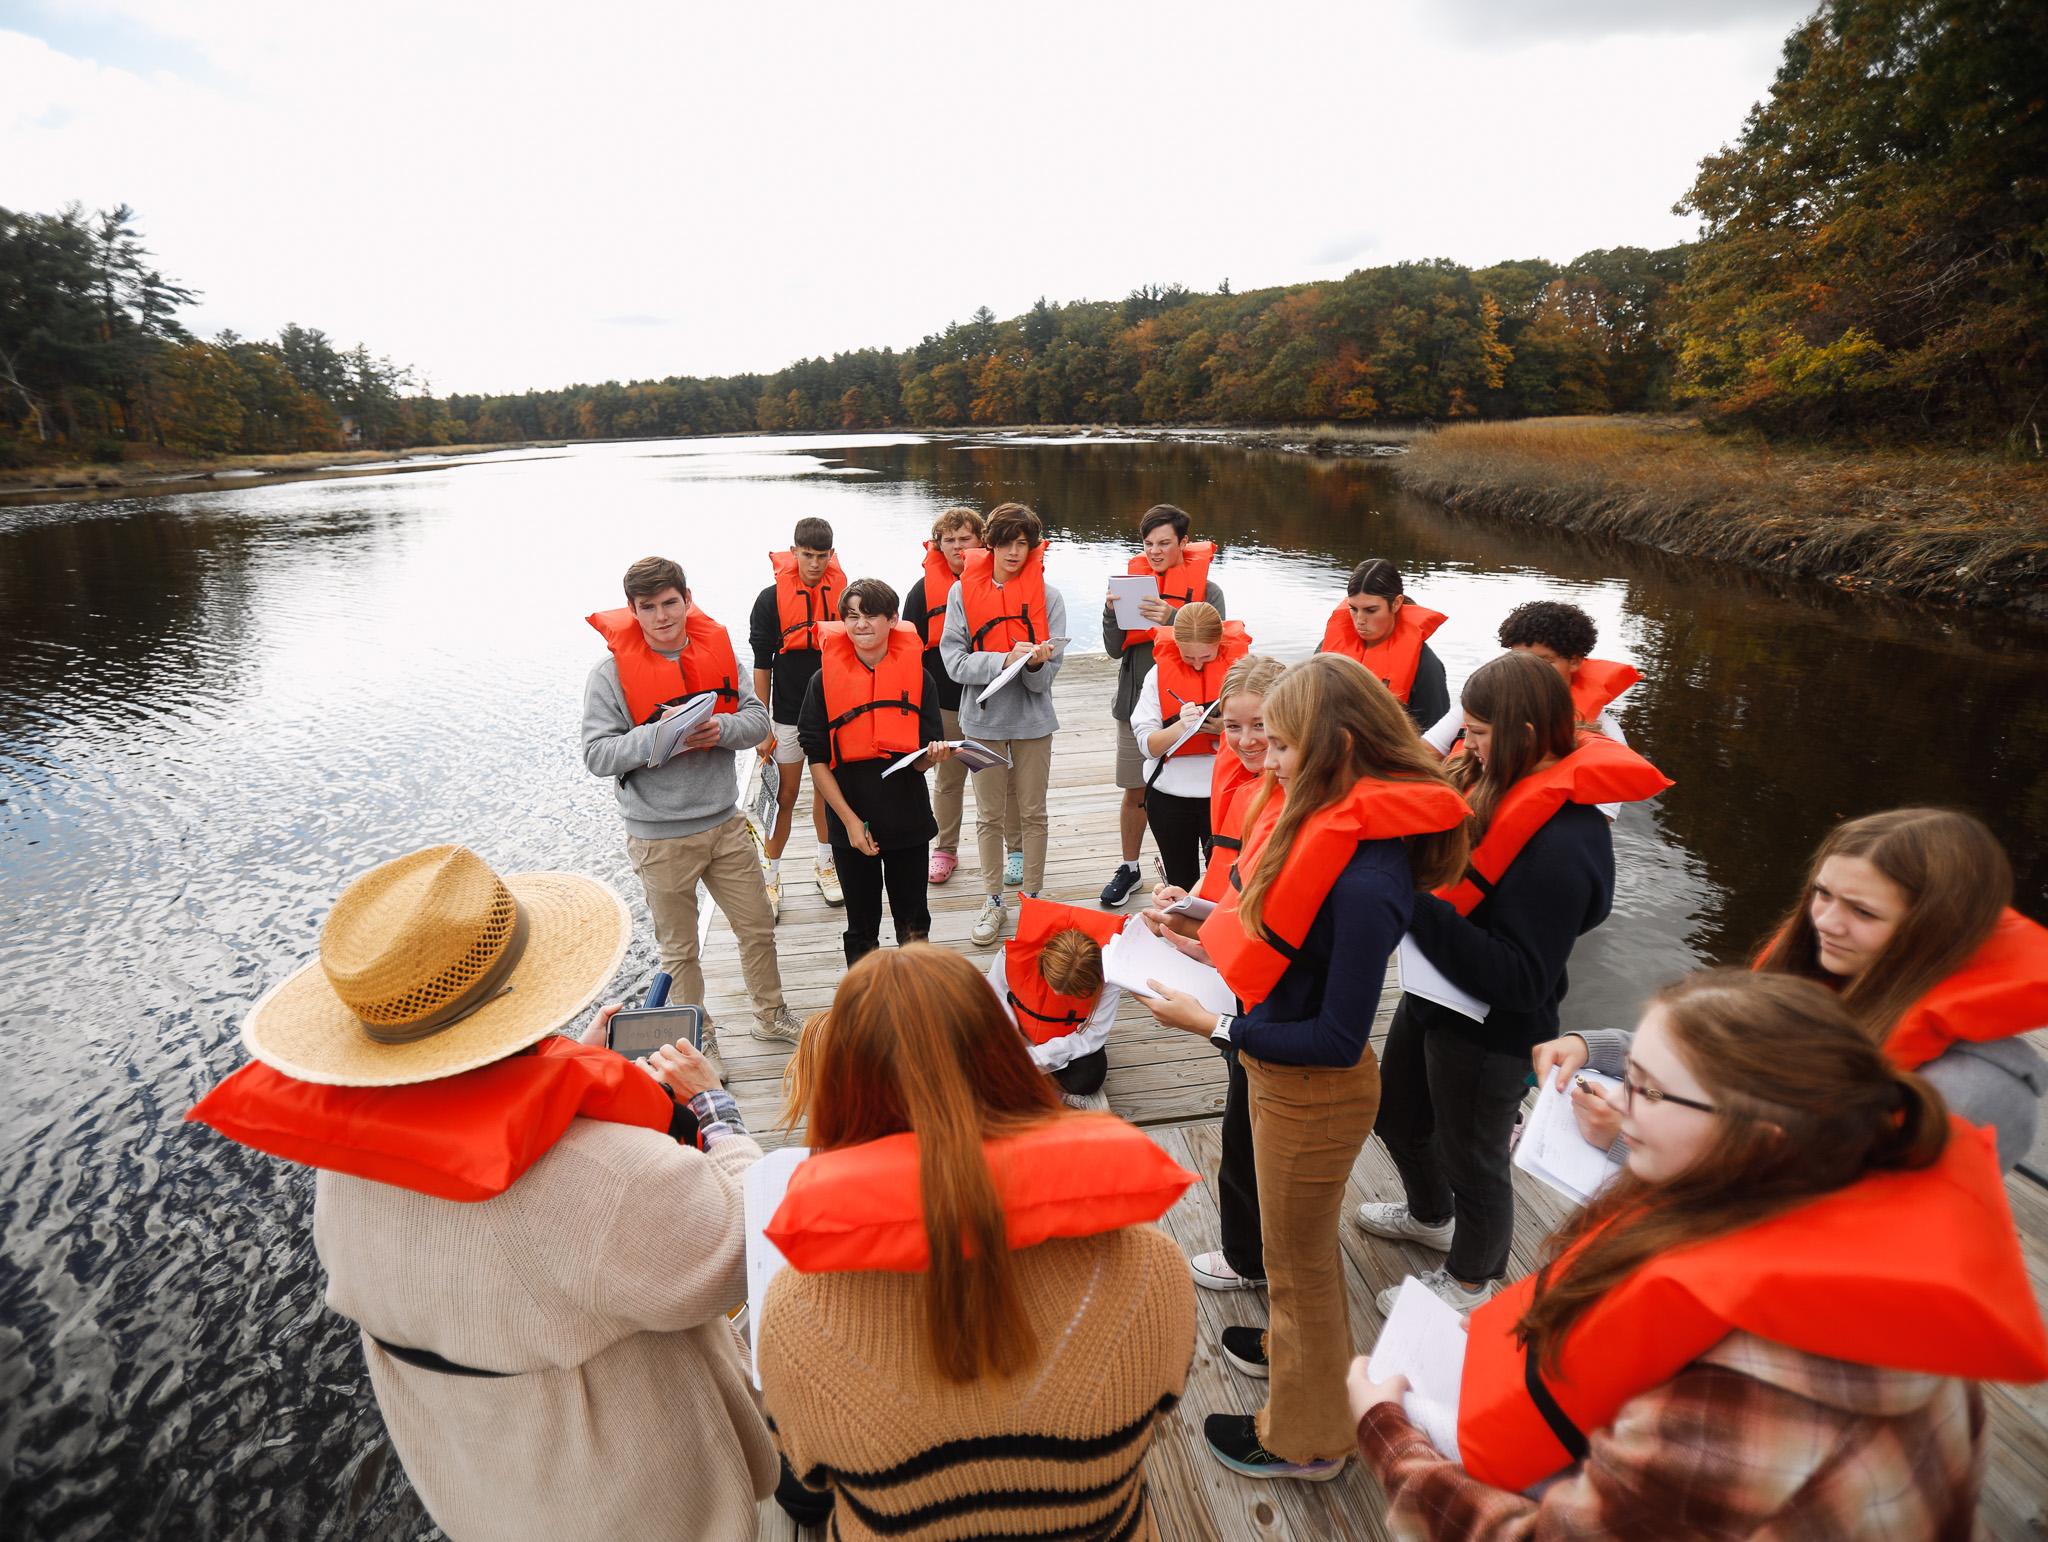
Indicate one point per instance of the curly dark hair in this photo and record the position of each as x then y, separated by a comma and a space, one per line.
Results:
1564, 629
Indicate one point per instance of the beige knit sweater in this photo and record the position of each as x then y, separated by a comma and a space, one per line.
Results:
1057, 1450
602, 1277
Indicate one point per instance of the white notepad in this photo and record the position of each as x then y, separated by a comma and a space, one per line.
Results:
1419, 977
675, 725
761, 1189
1134, 956
1010, 672
975, 757
1551, 1147
1424, 1340
1129, 591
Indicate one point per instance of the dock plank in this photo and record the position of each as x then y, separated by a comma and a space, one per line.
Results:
1173, 1084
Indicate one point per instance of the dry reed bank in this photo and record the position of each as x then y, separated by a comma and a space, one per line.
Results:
1953, 528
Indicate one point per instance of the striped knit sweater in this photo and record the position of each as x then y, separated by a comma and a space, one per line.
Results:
1057, 1451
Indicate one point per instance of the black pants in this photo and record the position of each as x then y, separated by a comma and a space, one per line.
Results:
805, 1506
1447, 1108
1237, 1180
1084, 1073
1180, 828
862, 879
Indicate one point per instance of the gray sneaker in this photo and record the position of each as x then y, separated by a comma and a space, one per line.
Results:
777, 1025
1092, 1102
988, 926
1444, 1288
709, 1050
1393, 1222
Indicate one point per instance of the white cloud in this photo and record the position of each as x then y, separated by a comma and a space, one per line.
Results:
509, 196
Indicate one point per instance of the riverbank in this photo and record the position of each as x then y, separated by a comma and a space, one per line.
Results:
1944, 527
150, 468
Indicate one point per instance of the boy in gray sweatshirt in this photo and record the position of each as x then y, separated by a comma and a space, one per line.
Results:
683, 822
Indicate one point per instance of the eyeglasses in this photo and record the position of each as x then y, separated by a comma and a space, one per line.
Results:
1630, 1087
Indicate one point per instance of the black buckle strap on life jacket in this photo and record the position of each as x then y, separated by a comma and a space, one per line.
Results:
811, 614
1272, 939
726, 690
903, 704
1227, 842
427, 1360
1568, 1434
1070, 1020
1479, 881
1023, 615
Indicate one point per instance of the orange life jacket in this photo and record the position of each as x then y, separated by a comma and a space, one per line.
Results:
1598, 771
1079, 1175
938, 585
1916, 1271
999, 616
872, 712
1231, 790
1185, 584
1325, 843
801, 611
2001, 990
465, 1137
1394, 658
1596, 684
1180, 683
653, 683
1041, 1011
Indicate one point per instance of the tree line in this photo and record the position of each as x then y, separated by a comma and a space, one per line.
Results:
1872, 262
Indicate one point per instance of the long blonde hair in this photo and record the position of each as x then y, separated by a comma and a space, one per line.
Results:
1348, 728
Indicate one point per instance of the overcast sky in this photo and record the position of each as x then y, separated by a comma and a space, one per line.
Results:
511, 195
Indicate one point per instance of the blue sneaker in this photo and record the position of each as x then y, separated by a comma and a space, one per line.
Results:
1118, 889
1233, 1440
1013, 870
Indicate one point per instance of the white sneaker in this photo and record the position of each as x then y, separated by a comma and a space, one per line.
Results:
1443, 1287
828, 883
1093, 1102
1212, 1271
988, 926
1393, 1222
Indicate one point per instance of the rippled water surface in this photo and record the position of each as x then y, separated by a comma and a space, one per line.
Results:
218, 707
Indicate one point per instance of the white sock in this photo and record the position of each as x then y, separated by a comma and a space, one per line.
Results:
1132, 866
824, 854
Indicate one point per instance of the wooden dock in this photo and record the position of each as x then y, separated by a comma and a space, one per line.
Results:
1172, 1083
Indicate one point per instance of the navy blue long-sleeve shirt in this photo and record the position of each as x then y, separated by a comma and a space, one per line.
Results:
1321, 1011
1512, 950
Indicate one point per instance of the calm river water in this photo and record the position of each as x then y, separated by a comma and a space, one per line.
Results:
216, 708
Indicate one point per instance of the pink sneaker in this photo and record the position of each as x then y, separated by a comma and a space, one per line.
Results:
942, 865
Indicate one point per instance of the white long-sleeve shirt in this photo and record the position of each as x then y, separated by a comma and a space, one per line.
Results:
1447, 728
1185, 776
1085, 1040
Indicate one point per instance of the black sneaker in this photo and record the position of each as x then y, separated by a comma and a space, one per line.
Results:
1234, 1441
1245, 1348
1118, 889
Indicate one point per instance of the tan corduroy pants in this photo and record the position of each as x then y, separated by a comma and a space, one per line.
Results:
725, 859
949, 799
1308, 1125
1020, 785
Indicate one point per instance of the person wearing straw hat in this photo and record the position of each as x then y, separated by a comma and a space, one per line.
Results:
538, 1238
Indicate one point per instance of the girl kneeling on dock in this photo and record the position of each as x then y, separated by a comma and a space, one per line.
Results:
978, 1333
1907, 917
1234, 781
1049, 981
1326, 882
1772, 1324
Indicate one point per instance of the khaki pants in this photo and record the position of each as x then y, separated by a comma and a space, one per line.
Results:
1308, 1125
1020, 785
725, 859
949, 798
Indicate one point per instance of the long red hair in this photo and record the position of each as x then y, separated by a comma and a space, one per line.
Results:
915, 1041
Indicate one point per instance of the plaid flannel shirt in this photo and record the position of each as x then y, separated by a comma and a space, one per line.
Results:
1751, 1437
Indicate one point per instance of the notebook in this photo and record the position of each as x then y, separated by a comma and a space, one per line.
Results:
1419, 977
1012, 671
1134, 956
1128, 592
975, 757
1551, 1147
1424, 1340
1191, 905
761, 1189
675, 725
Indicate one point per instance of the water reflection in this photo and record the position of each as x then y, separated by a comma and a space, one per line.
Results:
216, 708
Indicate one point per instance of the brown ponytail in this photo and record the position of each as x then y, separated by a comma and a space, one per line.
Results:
1805, 1104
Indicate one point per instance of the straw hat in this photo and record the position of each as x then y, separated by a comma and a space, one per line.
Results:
433, 964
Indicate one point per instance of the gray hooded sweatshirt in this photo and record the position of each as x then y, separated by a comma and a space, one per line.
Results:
698, 790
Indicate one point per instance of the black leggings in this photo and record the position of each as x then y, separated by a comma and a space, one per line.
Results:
1084, 1073
1237, 1180
1180, 828
862, 879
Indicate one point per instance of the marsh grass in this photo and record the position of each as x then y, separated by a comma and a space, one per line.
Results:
1962, 529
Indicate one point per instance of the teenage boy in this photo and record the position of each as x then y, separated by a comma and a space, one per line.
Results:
1181, 568
683, 823
783, 631
1389, 634
871, 703
1003, 611
954, 534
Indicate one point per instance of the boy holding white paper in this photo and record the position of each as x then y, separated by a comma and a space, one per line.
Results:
1003, 612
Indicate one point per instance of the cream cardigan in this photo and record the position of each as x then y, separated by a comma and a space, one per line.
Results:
602, 1277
